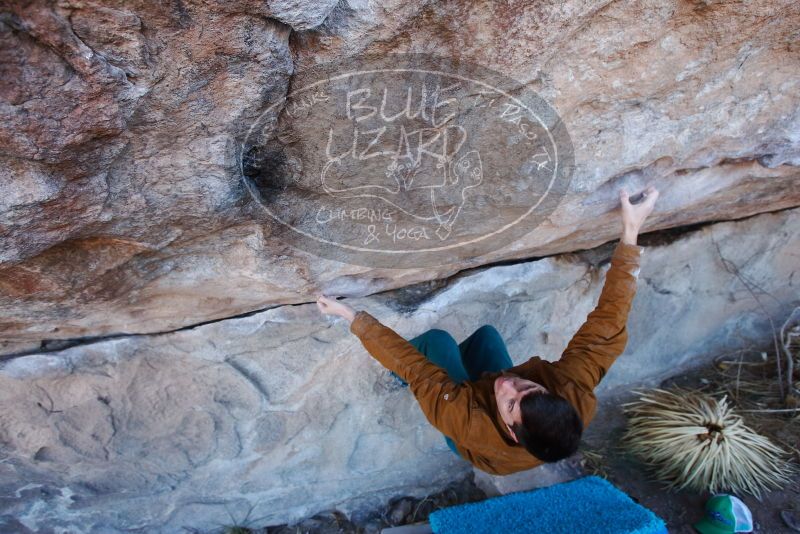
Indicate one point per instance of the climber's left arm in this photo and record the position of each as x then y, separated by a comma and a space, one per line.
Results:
445, 403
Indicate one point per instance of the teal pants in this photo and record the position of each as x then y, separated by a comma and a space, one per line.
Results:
483, 351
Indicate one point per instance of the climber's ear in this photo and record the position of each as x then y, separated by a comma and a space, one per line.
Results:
511, 431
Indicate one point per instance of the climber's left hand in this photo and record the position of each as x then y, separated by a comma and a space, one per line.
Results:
331, 306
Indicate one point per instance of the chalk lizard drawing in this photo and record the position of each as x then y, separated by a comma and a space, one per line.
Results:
427, 185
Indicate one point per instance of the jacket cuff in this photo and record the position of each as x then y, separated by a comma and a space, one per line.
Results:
628, 252
361, 322
627, 257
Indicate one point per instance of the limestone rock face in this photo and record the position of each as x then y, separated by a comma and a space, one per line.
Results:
285, 412
115, 124
161, 359
122, 205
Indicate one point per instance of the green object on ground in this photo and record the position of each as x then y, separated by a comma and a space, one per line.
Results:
725, 514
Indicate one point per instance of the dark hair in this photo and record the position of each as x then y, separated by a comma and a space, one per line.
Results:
551, 428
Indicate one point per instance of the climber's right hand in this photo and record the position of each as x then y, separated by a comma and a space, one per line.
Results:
633, 215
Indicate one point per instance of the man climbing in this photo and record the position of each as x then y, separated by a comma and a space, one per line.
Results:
504, 418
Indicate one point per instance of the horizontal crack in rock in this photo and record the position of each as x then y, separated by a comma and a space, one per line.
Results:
408, 298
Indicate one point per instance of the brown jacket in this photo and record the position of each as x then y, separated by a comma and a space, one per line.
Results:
468, 412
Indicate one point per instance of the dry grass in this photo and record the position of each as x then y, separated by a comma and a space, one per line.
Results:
748, 377
696, 441
594, 462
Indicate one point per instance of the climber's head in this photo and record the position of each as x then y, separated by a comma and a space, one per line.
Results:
544, 423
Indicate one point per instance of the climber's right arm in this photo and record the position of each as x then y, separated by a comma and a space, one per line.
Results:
604, 334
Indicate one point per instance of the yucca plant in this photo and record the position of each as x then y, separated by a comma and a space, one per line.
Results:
692, 440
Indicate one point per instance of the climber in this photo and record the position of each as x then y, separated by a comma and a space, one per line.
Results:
500, 417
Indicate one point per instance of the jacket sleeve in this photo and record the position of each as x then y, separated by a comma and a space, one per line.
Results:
604, 334
445, 403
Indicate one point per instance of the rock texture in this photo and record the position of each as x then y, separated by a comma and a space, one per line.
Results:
285, 413
122, 209
204, 379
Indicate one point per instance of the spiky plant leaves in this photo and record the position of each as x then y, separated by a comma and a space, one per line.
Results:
694, 441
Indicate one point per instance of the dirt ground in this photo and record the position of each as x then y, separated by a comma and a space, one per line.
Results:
681, 509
